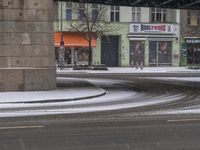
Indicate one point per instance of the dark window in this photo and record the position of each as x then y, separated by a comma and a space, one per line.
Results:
81, 14
136, 14
94, 11
112, 17
193, 17
117, 16
114, 13
81, 11
188, 17
159, 15
68, 11
68, 14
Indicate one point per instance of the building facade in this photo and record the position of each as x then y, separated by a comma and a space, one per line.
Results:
190, 37
147, 36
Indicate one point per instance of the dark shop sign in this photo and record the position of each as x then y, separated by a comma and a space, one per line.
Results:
192, 41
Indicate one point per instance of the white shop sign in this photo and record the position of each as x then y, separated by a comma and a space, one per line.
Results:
153, 28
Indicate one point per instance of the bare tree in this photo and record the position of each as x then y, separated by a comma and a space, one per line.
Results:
91, 21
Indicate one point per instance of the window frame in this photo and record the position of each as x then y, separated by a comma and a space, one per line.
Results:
114, 14
81, 11
196, 15
94, 11
136, 14
68, 11
158, 13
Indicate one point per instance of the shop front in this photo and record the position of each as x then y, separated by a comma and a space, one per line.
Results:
75, 48
193, 50
160, 53
154, 44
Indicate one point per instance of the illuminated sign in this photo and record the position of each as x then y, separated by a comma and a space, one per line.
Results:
153, 28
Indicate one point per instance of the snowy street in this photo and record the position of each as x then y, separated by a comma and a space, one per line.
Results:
119, 95
128, 112
76, 95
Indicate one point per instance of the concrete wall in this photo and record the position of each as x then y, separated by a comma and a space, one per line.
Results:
26, 45
125, 14
145, 14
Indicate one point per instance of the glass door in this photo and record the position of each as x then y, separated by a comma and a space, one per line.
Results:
160, 53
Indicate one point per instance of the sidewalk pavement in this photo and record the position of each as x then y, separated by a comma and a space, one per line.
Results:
67, 90
168, 75
134, 70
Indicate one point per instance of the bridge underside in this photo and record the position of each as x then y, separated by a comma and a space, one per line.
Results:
181, 4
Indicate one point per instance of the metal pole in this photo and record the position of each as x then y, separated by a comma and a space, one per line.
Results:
62, 49
61, 25
157, 53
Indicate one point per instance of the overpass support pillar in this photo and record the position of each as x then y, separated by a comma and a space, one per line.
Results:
26, 45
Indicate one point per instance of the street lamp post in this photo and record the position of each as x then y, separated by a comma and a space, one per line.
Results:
62, 45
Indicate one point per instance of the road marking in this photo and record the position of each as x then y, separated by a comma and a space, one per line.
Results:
183, 120
20, 127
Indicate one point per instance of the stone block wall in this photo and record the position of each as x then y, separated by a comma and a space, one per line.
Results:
26, 45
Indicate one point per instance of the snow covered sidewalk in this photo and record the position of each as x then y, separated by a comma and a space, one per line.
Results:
68, 90
134, 70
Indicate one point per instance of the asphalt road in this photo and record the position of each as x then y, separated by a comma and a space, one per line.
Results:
128, 129
61, 134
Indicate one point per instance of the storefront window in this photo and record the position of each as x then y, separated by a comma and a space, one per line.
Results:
83, 54
164, 52
160, 53
57, 55
136, 52
152, 52
68, 56
193, 54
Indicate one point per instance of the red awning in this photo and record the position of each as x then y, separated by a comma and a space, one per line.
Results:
72, 39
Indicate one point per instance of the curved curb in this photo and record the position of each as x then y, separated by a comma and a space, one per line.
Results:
59, 100
77, 87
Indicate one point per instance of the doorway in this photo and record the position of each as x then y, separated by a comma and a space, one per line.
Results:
109, 50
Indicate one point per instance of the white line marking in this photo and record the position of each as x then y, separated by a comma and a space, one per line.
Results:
183, 120
20, 127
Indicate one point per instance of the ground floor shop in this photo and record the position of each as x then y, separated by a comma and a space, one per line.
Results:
72, 56
193, 50
153, 45
74, 51
153, 52
137, 44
